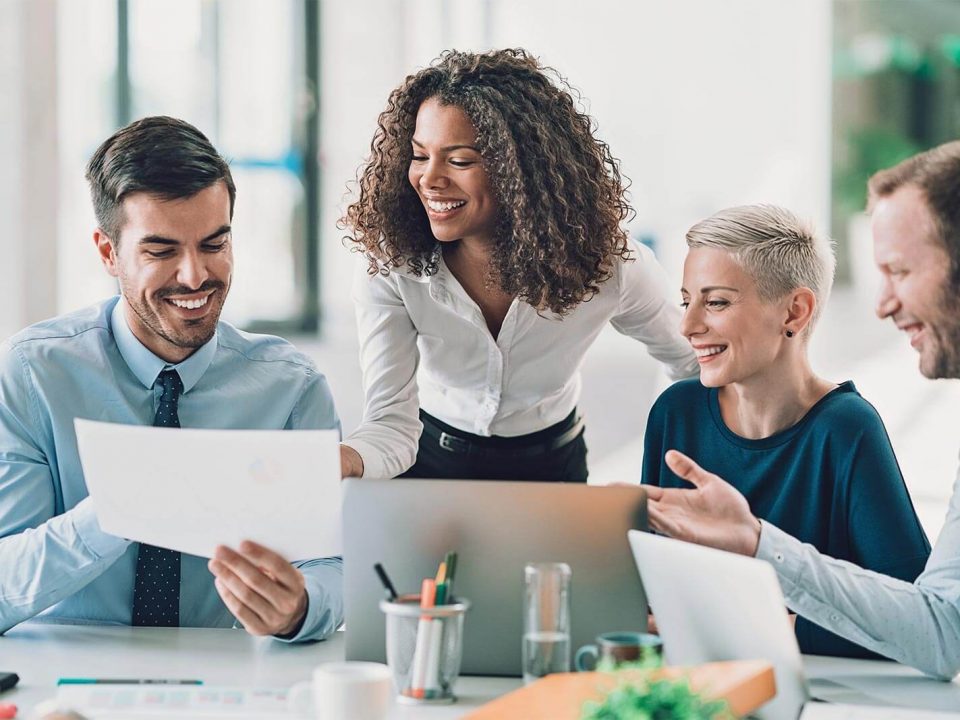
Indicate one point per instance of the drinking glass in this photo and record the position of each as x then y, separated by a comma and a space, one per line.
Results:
546, 620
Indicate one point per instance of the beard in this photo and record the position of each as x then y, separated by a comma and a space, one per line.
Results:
945, 362
187, 334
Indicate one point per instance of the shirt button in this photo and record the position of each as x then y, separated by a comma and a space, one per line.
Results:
835, 617
778, 557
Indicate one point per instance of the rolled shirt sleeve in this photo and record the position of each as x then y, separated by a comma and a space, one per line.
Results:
323, 577
324, 585
44, 557
914, 623
388, 434
43, 565
647, 314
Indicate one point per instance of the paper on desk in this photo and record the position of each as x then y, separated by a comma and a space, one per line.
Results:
825, 711
191, 490
130, 702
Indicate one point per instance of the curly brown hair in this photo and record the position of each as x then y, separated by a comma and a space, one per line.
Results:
560, 190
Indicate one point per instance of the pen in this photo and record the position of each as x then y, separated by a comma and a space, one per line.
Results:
385, 579
428, 593
126, 681
451, 574
440, 582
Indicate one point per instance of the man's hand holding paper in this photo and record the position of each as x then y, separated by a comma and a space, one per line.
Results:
262, 589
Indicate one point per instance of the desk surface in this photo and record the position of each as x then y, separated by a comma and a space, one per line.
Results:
42, 653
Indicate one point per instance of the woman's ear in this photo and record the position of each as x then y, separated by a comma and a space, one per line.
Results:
801, 305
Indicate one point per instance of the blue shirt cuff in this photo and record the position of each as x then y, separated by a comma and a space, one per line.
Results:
324, 584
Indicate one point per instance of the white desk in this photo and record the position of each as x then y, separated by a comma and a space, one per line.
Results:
42, 653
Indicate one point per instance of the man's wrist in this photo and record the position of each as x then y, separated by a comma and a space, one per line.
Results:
294, 628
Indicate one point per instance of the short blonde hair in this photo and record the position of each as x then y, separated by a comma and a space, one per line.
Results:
779, 251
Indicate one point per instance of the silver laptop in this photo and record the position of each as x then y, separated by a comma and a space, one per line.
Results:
712, 605
495, 527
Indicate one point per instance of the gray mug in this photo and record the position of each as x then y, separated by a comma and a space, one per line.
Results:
614, 648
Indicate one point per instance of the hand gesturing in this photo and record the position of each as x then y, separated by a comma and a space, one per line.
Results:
712, 513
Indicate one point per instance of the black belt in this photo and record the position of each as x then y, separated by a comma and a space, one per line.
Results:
538, 443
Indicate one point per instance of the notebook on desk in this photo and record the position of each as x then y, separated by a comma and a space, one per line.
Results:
496, 528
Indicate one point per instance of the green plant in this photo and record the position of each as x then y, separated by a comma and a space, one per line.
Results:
655, 700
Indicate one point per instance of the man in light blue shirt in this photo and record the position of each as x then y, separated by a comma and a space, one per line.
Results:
157, 354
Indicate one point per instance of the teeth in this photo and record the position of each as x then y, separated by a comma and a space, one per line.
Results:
191, 304
713, 350
444, 206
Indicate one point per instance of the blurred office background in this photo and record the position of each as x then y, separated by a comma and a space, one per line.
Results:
707, 104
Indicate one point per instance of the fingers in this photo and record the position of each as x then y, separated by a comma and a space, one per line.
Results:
662, 521
687, 469
267, 561
251, 621
654, 492
260, 588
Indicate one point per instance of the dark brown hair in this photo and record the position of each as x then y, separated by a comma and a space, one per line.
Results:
160, 155
560, 191
936, 173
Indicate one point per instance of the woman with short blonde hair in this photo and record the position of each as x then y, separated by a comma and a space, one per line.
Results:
811, 456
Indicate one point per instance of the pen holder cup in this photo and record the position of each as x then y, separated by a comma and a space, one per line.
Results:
424, 647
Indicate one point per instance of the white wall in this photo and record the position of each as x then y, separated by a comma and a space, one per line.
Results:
11, 296
706, 103
28, 173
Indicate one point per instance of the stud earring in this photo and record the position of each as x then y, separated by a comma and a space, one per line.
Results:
789, 333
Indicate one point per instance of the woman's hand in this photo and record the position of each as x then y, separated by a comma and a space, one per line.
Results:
713, 513
351, 464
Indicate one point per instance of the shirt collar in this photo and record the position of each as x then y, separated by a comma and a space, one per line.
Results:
146, 366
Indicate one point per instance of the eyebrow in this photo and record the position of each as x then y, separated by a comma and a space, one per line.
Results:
448, 148
161, 240
711, 288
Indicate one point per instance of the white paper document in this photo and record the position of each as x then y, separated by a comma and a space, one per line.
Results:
191, 490
126, 702
826, 711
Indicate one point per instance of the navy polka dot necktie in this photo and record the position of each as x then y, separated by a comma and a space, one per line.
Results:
156, 588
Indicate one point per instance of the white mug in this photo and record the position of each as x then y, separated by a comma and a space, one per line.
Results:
344, 691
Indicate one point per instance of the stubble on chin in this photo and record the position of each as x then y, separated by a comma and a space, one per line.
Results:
946, 335
196, 333
946, 362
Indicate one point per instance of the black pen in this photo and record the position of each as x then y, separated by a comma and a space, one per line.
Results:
387, 585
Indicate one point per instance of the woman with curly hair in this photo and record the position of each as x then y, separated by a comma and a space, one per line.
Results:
491, 217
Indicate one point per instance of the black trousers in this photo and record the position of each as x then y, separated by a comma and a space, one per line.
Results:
499, 458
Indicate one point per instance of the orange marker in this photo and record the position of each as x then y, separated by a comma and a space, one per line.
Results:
428, 594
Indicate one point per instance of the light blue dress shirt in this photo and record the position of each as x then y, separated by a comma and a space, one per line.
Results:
55, 561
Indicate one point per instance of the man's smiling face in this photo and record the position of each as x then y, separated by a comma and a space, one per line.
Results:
174, 263
916, 292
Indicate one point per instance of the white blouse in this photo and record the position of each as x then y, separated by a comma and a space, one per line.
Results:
424, 343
